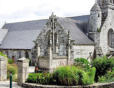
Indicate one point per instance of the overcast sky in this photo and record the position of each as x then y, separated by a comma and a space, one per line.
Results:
22, 10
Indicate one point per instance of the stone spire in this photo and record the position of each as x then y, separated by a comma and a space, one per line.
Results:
53, 20
96, 7
69, 48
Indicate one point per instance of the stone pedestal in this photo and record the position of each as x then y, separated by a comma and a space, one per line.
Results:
23, 66
3, 68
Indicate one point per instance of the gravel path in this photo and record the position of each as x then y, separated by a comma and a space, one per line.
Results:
5, 84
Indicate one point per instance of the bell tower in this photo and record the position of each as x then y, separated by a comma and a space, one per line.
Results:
95, 22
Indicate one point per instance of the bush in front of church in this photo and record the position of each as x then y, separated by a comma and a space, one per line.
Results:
71, 76
40, 78
82, 63
66, 75
12, 69
102, 65
10, 61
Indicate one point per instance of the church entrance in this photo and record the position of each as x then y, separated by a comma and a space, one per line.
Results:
111, 38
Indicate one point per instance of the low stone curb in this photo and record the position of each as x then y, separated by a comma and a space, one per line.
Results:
96, 85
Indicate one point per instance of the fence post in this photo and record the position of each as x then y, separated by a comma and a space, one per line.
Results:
10, 80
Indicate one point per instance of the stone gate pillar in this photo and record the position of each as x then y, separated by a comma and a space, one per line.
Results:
3, 68
23, 66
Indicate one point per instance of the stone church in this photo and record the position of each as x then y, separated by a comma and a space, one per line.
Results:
58, 40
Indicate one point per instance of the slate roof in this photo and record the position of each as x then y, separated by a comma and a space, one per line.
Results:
3, 33
76, 33
22, 34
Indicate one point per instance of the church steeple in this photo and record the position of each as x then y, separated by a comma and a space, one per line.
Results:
95, 21
95, 18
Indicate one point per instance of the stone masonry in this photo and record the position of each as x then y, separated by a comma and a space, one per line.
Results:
23, 65
3, 68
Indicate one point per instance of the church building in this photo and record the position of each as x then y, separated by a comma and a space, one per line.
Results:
59, 40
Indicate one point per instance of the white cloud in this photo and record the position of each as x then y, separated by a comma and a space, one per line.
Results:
20, 10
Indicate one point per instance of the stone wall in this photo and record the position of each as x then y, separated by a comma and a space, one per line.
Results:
3, 68
62, 61
108, 24
96, 85
83, 51
56, 62
43, 62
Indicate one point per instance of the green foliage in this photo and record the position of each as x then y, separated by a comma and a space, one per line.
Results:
98, 30
112, 68
82, 62
102, 65
91, 75
10, 61
102, 79
12, 68
66, 76
70, 75
1, 54
111, 61
42, 78
108, 77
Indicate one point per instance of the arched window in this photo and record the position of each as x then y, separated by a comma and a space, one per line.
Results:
111, 38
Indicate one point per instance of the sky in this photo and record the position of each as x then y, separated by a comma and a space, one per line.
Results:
24, 10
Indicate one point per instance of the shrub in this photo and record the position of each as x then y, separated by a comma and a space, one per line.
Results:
65, 76
12, 68
111, 61
84, 63
42, 78
70, 75
102, 79
91, 75
1, 54
102, 65
108, 77
10, 61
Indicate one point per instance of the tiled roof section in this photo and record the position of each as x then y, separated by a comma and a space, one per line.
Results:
83, 19
22, 34
3, 33
20, 39
75, 29
27, 25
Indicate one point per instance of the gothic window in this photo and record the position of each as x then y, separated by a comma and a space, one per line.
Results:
111, 38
